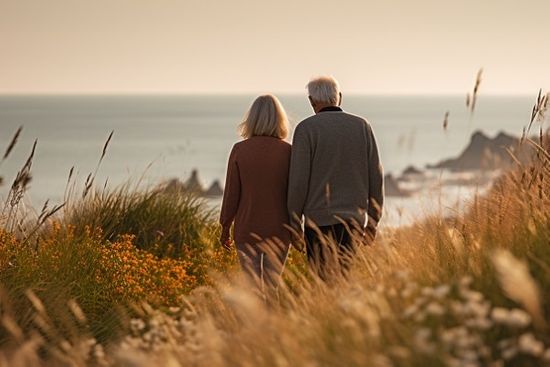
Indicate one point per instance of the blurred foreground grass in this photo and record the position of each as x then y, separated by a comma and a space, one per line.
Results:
136, 278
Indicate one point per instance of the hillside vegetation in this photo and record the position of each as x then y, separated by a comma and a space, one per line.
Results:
136, 278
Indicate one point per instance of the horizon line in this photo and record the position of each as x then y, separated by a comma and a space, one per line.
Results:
248, 94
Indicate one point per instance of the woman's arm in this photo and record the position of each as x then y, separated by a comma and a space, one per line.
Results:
231, 196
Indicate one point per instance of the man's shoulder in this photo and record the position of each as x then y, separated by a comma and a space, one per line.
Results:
352, 116
305, 123
328, 116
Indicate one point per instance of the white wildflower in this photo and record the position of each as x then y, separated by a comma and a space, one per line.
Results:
467, 341
472, 296
441, 291
137, 325
528, 344
457, 308
468, 355
478, 309
407, 292
65, 345
399, 352
500, 315
99, 353
422, 341
174, 309
410, 311
506, 343
420, 317
435, 309
427, 291
516, 318
480, 323
509, 353
519, 318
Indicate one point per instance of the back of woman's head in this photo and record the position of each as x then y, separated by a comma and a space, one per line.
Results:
266, 117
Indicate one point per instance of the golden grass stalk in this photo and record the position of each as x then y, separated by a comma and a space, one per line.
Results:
518, 284
12, 144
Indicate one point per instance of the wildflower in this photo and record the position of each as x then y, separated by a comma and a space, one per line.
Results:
441, 291
422, 342
407, 292
472, 296
427, 291
399, 352
174, 309
480, 323
500, 315
509, 353
468, 356
477, 309
137, 325
515, 318
457, 308
519, 318
410, 311
435, 309
528, 344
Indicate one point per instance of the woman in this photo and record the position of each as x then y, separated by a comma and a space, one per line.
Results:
255, 194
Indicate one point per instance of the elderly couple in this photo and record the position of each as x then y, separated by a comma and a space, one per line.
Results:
326, 189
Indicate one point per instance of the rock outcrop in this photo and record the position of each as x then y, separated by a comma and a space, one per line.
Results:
412, 170
391, 187
215, 190
484, 153
410, 174
193, 184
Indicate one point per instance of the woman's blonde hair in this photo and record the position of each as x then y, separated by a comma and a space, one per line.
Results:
266, 117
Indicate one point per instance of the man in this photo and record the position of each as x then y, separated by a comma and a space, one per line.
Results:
335, 181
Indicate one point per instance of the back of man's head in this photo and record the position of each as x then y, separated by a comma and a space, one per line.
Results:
324, 90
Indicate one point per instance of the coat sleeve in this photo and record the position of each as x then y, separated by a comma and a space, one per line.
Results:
232, 192
376, 180
299, 174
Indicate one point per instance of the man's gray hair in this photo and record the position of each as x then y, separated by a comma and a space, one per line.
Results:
324, 89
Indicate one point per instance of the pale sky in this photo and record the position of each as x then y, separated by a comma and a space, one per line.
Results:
251, 46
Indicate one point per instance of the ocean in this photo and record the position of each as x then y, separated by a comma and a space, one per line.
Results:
162, 137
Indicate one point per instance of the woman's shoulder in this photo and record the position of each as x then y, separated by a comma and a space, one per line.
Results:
262, 141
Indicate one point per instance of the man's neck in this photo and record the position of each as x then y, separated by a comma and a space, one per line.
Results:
329, 108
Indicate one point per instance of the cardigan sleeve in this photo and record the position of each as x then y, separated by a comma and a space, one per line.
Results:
376, 180
232, 192
298, 182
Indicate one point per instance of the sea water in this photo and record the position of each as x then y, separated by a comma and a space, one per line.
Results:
161, 137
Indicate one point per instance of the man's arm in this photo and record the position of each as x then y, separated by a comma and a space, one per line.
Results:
376, 182
298, 181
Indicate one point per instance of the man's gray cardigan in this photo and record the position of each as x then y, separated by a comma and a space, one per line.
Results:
335, 170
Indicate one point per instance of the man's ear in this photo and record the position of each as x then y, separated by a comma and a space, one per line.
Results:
340, 99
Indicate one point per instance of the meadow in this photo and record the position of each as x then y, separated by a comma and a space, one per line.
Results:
136, 277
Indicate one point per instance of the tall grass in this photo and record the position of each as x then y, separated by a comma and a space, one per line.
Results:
471, 290
167, 223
